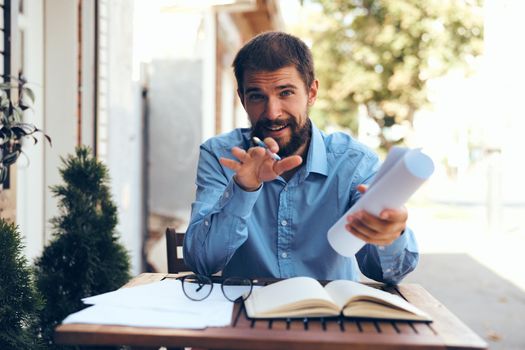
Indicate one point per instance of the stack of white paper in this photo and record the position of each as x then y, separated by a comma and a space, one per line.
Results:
158, 304
401, 174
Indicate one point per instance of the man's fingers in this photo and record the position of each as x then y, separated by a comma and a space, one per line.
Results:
239, 153
372, 229
230, 163
254, 153
394, 214
359, 225
367, 237
272, 144
286, 164
257, 153
389, 220
373, 222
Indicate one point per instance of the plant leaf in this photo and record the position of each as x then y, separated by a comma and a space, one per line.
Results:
11, 158
4, 102
20, 132
29, 93
6, 86
3, 174
26, 127
18, 114
48, 139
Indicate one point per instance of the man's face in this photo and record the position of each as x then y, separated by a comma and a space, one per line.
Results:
277, 104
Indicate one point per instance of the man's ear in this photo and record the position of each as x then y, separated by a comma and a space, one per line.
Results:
312, 92
241, 97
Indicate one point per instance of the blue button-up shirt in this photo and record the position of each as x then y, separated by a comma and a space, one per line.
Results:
280, 230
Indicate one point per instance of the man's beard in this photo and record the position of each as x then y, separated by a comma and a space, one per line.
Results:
299, 135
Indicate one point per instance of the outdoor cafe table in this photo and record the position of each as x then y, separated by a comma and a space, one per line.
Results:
445, 332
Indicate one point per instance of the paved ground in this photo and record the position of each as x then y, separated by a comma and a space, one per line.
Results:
476, 272
490, 305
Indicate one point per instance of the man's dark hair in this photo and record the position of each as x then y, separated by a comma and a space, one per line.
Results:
271, 51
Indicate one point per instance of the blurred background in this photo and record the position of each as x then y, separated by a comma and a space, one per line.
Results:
145, 82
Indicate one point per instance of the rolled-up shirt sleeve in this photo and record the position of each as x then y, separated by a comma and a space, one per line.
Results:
218, 225
390, 264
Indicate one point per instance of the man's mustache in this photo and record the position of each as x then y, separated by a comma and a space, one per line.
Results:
267, 123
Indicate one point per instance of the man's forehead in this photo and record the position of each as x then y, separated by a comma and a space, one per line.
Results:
283, 76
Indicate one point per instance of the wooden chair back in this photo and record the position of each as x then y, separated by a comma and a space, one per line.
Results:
174, 241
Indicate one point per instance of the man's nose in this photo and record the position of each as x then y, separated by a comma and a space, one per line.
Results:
273, 108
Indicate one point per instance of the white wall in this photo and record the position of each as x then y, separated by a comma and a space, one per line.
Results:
88, 71
30, 170
175, 129
60, 92
208, 75
124, 156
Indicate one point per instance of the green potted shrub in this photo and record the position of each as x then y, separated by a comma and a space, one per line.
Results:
84, 257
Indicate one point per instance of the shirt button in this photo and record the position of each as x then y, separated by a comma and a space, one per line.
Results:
284, 255
381, 247
206, 222
284, 222
286, 188
227, 194
388, 270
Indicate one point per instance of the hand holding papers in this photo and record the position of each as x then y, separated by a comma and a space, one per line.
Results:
401, 174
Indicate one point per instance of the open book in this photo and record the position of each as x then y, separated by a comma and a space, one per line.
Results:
306, 297
401, 174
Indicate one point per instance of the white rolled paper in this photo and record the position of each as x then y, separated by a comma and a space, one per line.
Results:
401, 174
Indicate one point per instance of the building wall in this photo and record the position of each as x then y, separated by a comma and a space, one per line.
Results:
175, 97
54, 67
30, 187
60, 93
125, 131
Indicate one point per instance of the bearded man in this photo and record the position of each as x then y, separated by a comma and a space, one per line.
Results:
258, 215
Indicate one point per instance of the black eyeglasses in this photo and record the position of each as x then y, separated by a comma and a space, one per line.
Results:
199, 287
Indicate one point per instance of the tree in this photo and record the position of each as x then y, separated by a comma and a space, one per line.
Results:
84, 257
380, 54
19, 301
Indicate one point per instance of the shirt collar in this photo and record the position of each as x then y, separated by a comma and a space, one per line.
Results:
316, 161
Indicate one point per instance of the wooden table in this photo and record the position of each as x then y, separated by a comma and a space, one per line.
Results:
446, 332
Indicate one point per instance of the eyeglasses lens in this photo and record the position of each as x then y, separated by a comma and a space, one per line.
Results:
233, 288
197, 287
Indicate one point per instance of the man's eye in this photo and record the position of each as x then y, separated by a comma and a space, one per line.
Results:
255, 97
286, 93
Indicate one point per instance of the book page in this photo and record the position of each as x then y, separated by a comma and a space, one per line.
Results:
370, 309
287, 295
405, 173
344, 292
341, 291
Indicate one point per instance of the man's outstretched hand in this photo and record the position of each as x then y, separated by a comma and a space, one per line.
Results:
256, 166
